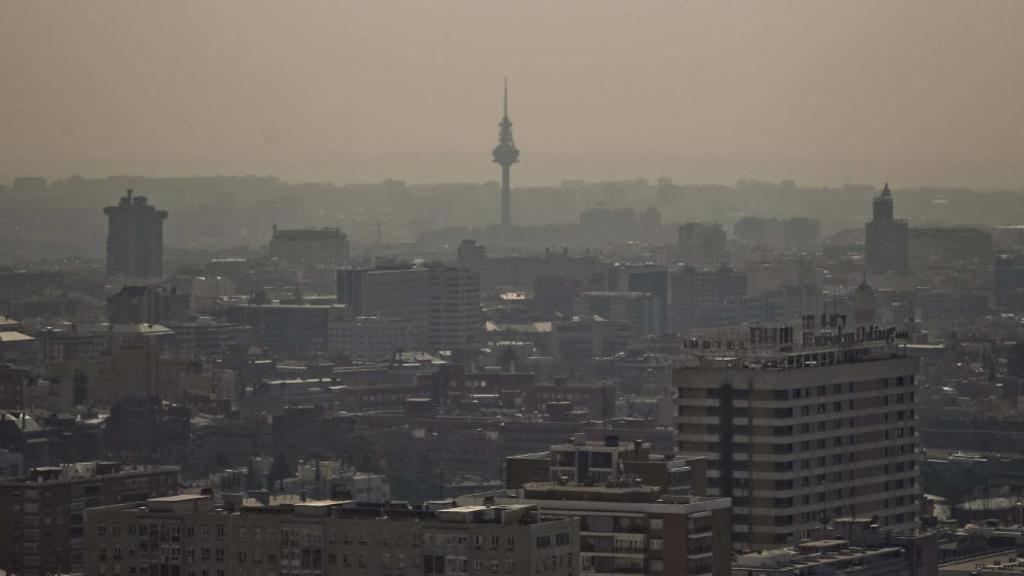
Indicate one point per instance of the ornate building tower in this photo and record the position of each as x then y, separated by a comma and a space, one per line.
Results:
886, 239
506, 154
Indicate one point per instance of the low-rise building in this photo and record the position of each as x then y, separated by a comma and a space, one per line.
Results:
850, 547
187, 534
582, 461
628, 529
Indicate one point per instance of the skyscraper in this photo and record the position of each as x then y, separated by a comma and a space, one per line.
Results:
506, 154
886, 239
135, 238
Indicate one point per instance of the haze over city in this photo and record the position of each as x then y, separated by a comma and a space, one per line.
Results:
916, 92
456, 288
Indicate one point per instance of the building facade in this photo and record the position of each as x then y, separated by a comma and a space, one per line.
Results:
42, 524
322, 247
443, 302
187, 536
800, 436
634, 529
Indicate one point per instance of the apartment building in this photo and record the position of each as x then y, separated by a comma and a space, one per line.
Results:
584, 461
42, 526
633, 529
188, 535
800, 432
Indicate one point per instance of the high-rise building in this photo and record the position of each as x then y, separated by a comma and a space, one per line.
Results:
442, 301
135, 238
42, 528
803, 431
187, 534
886, 239
505, 154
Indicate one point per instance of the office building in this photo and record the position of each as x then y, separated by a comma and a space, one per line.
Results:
802, 430
42, 526
135, 238
187, 534
326, 247
887, 247
442, 302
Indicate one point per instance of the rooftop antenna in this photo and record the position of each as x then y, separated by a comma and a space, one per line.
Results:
505, 101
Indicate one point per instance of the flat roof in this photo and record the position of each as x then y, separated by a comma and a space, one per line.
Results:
179, 498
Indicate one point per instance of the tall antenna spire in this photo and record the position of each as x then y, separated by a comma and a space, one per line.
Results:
505, 154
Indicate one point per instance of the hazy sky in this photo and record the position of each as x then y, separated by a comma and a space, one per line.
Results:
914, 92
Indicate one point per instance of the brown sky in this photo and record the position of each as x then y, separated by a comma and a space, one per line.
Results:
824, 92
